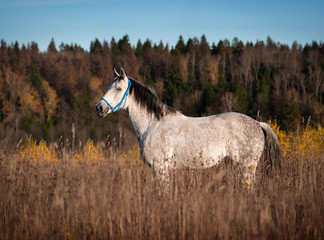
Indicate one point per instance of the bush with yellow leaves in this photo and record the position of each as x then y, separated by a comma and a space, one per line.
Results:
37, 152
306, 142
90, 153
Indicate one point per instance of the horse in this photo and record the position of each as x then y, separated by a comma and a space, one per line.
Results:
170, 140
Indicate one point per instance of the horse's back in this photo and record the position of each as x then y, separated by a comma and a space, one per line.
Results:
228, 126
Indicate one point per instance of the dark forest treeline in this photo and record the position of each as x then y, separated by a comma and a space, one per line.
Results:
44, 93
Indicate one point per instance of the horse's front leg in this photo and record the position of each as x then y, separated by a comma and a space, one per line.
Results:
162, 171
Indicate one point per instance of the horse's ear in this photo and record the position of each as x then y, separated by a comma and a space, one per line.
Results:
115, 73
122, 73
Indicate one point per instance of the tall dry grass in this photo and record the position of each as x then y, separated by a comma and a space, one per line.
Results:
94, 193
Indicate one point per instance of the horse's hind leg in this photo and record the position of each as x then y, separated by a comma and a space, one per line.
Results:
249, 174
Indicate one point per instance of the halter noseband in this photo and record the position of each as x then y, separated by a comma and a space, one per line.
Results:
117, 107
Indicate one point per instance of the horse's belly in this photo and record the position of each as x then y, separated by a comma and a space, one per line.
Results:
196, 152
192, 156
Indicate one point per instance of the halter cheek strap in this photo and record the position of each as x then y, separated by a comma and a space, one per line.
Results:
124, 99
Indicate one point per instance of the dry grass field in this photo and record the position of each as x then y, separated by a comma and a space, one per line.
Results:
93, 193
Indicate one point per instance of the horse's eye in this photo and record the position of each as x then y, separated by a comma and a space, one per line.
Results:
118, 88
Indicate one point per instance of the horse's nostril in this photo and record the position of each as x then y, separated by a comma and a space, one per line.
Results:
99, 108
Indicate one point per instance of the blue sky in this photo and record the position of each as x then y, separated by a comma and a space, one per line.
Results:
81, 21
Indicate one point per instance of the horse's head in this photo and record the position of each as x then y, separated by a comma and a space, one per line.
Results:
115, 99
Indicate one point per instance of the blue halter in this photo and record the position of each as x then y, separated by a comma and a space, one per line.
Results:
124, 99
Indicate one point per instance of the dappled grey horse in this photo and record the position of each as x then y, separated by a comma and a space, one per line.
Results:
169, 139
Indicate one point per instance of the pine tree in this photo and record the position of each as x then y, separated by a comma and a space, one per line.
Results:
95, 46
51, 47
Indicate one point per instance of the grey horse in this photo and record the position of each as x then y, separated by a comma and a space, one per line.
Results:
168, 139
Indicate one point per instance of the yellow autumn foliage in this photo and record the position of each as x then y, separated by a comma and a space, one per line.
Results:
37, 152
90, 153
29, 100
308, 142
51, 101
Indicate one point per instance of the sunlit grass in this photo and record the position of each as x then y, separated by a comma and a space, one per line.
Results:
92, 192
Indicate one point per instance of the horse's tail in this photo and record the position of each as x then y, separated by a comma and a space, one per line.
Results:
272, 152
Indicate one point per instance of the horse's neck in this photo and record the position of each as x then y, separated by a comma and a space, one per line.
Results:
139, 118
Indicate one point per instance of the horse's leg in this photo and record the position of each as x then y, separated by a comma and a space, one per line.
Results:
249, 174
162, 171
164, 177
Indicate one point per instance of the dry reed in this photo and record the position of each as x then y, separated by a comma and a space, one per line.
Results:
87, 195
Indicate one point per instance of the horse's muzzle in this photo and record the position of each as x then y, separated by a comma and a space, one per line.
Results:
101, 112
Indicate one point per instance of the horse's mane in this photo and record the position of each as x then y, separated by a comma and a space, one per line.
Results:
147, 99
